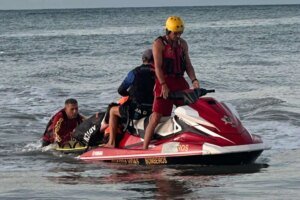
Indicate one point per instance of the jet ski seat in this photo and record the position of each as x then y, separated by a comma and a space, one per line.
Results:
166, 127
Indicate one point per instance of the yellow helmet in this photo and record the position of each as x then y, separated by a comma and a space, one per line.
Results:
175, 24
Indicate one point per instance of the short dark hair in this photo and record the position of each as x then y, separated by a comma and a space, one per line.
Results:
71, 101
168, 32
147, 55
148, 60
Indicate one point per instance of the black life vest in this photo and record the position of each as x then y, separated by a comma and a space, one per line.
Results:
141, 91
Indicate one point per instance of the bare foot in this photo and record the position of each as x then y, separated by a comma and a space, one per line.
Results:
108, 146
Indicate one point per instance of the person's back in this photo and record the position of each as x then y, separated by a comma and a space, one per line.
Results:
141, 90
138, 85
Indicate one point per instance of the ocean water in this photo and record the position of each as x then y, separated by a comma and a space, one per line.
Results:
249, 54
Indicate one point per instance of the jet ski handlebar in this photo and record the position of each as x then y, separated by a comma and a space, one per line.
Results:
210, 91
189, 96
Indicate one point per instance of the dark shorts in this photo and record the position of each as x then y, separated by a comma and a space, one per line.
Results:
165, 106
130, 110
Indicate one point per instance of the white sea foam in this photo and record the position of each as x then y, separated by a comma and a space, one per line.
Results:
119, 30
126, 30
37, 146
33, 146
114, 30
49, 147
246, 22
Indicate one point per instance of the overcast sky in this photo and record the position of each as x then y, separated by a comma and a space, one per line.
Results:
46, 4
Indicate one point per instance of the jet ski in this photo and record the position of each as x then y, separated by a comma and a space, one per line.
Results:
204, 131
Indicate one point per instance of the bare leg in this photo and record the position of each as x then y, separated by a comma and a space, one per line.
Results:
154, 120
114, 115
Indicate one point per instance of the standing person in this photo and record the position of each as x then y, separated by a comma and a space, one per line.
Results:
171, 58
138, 85
62, 124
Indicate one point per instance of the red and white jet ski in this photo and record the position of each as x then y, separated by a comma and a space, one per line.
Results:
204, 132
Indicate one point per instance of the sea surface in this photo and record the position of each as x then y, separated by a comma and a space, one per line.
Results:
249, 54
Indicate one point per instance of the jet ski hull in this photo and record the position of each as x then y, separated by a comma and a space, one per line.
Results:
220, 159
155, 156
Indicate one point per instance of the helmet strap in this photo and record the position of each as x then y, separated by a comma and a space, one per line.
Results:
168, 32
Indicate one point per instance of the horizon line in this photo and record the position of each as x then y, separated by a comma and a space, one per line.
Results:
116, 7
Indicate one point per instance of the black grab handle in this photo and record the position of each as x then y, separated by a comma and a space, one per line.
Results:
210, 91
199, 92
189, 96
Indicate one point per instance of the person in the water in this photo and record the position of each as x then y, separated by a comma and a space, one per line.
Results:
62, 124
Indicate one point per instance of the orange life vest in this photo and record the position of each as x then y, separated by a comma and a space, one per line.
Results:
121, 101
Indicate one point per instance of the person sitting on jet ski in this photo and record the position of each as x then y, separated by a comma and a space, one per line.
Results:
62, 124
138, 85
